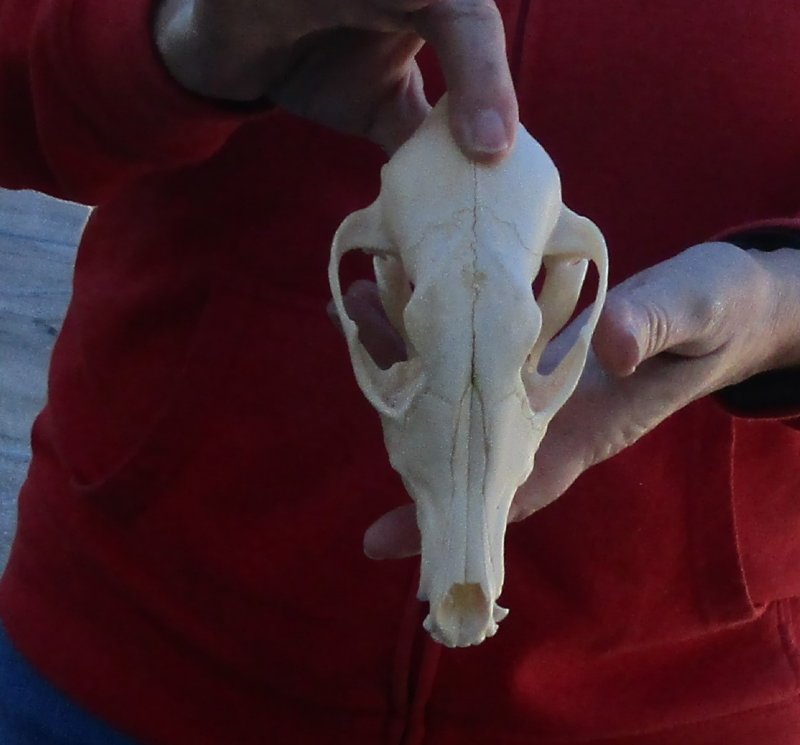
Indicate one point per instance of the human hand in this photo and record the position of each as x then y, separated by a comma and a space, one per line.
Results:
348, 64
707, 318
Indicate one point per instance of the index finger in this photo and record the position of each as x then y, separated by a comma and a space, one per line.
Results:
469, 40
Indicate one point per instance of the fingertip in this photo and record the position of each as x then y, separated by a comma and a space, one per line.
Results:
485, 135
469, 40
485, 128
616, 342
393, 536
362, 289
518, 514
372, 546
333, 315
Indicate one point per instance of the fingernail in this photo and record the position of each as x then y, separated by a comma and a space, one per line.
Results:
487, 132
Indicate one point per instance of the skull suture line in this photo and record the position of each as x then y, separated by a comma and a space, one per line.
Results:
456, 248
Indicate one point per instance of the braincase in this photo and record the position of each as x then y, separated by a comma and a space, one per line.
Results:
429, 180
524, 191
426, 183
470, 238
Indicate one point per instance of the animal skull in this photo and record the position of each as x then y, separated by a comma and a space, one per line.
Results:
456, 248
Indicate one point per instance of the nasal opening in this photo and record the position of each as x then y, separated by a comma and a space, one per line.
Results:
464, 616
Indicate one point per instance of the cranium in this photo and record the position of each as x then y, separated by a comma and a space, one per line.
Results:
456, 249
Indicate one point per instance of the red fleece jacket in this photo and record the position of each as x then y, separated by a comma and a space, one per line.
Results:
188, 561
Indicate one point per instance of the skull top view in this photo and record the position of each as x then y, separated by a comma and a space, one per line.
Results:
456, 247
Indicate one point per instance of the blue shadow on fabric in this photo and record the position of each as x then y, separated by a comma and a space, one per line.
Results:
33, 712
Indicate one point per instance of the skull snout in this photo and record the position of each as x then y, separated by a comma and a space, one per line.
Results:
462, 508
461, 616
464, 616
461, 577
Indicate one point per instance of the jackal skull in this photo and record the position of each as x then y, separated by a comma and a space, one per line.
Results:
456, 249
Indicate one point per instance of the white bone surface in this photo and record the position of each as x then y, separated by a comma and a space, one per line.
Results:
456, 249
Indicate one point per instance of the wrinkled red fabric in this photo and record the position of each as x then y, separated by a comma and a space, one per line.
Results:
188, 561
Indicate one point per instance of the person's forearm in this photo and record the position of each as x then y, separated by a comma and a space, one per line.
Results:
85, 104
208, 60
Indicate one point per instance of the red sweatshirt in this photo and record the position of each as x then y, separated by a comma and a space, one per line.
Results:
188, 562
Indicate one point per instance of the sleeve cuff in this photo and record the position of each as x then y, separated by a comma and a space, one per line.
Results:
99, 74
774, 394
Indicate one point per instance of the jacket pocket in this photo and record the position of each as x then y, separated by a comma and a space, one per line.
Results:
765, 482
723, 592
643, 549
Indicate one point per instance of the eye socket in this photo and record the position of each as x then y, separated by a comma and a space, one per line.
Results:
377, 331
563, 289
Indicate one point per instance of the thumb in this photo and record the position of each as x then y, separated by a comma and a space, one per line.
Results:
676, 307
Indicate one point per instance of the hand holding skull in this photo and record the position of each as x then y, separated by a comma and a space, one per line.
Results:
707, 318
348, 64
